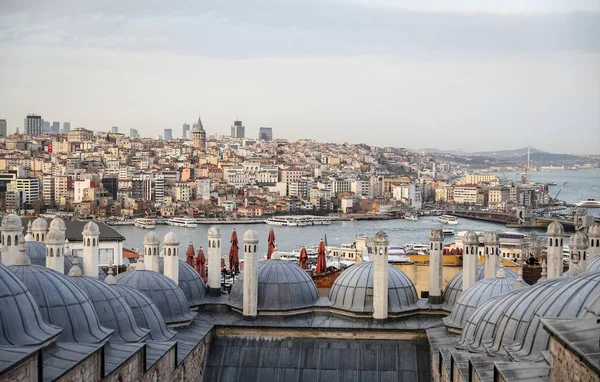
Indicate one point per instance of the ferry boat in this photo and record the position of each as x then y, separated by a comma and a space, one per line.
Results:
298, 221
448, 231
590, 203
411, 217
449, 219
182, 222
416, 247
145, 223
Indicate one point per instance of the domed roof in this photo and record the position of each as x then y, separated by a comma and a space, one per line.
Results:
163, 291
250, 235
592, 308
594, 230
146, 313
282, 286
91, 228
171, 239
353, 290
63, 304
59, 224
112, 310
454, 287
491, 238
436, 234
20, 315
55, 236
593, 264
11, 222
475, 296
555, 229
470, 238
214, 231
578, 241
190, 282
39, 224
151, 238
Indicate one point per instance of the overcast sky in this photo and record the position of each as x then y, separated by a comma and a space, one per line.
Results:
416, 73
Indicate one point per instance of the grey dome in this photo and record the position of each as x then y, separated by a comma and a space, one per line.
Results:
11, 222
112, 310
453, 289
91, 228
475, 296
163, 291
593, 264
55, 236
190, 282
146, 313
151, 238
594, 230
436, 234
171, 239
63, 304
58, 224
592, 308
567, 300
578, 241
470, 238
282, 285
21, 322
353, 290
491, 238
39, 224
555, 229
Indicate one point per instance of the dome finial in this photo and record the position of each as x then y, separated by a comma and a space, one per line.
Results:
140, 266
519, 283
22, 258
29, 236
110, 279
544, 271
501, 272
75, 271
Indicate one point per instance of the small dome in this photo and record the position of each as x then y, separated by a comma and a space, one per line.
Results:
55, 237
454, 287
491, 238
594, 230
470, 238
171, 239
282, 286
58, 224
146, 313
353, 290
593, 264
11, 222
23, 326
381, 239
578, 241
592, 308
250, 236
436, 234
39, 224
165, 294
475, 296
112, 310
214, 232
63, 304
151, 238
91, 229
191, 284
555, 229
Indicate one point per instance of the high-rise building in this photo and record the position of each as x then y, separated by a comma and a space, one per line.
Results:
186, 129
66, 127
55, 128
238, 130
3, 129
111, 185
33, 125
265, 133
133, 133
199, 136
114, 129
168, 134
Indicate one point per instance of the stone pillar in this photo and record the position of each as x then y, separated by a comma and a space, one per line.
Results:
214, 261
12, 232
594, 238
436, 264
578, 244
380, 276
250, 274
492, 250
171, 256
55, 251
91, 249
470, 257
554, 250
152, 251
39, 229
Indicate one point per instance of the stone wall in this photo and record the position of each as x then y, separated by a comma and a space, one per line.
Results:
26, 371
87, 371
130, 371
192, 367
566, 366
162, 369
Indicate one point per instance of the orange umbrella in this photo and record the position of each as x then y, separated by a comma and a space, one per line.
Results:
303, 258
321, 258
190, 255
271, 242
234, 259
201, 264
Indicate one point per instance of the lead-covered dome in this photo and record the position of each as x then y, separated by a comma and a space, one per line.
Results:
39, 224
282, 286
63, 304
11, 222
555, 229
151, 238
20, 317
190, 282
112, 309
353, 290
163, 291
593, 264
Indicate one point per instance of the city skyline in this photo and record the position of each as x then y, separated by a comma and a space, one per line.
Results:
383, 73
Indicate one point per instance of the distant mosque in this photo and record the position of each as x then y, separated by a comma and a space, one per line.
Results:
63, 318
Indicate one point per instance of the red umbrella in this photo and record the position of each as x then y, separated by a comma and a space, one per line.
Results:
303, 258
321, 260
190, 255
271, 242
201, 264
234, 259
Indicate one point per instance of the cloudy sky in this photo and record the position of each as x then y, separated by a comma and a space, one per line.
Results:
459, 74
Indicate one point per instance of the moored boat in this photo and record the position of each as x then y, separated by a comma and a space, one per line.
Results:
182, 222
145, 223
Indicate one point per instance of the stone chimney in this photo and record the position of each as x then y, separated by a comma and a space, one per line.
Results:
594, 238
470, 257
554, 250
250, 274
91, 249
492, 250
171, 256
578, 244
380, 276
12, 231
152, 251
55, 251
214, 261
436, 262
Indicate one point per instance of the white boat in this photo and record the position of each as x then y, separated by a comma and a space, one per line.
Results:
411, 217
145, 223
298, 221
448, 231
182, 222
590, 203
449, 219
416, 247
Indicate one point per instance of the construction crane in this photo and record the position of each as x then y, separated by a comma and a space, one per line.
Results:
559, 190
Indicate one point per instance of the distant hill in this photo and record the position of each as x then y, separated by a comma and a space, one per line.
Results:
516, 153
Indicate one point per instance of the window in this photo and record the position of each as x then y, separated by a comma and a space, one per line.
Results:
16, 240
169, 252
51, 252
8, 241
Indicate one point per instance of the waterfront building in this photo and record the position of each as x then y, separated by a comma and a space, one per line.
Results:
33, 125
465, 194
